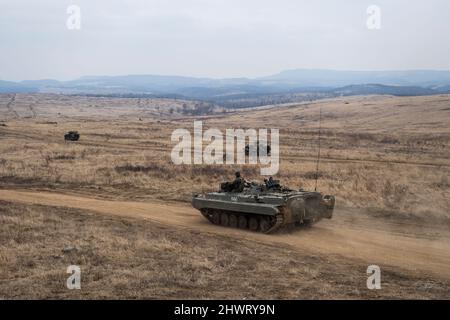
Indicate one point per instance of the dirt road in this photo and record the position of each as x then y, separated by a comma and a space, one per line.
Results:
412, 248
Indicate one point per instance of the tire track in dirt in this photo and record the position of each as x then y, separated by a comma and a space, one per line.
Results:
358, 241
33, 111
9, 106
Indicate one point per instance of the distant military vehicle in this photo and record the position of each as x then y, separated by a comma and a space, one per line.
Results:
263, 208
247, 149
72, 136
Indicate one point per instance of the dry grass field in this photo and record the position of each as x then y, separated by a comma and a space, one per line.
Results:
387, 160
128, 258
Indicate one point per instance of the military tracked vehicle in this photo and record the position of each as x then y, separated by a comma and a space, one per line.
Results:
257, 147
72, 136
263, 208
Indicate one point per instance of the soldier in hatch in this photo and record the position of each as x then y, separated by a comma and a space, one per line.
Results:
272, 184
238, 183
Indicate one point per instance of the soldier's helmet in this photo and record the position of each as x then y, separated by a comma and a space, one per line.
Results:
237, 174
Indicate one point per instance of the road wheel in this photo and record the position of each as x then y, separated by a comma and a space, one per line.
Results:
242, 222
308, 223
224, 219
215, 218
233, 221
253, 224
264, 224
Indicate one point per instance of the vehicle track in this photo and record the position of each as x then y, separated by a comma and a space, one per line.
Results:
408, 253
9, 106
33, 111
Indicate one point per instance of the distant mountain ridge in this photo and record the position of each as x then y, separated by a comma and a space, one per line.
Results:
288, 82
15, 87
334, 78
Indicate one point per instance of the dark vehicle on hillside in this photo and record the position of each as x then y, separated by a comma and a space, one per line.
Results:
72, 136
247, 149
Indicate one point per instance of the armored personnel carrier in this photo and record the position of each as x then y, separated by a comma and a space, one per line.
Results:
72, 136
263, 209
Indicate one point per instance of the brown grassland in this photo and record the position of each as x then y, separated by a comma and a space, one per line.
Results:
386, 159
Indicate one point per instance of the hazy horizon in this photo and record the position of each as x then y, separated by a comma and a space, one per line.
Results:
219, 39
221, 78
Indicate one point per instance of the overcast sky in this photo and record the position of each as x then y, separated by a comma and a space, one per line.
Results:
219, 38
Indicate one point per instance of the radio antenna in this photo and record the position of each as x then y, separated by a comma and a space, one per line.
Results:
318, 154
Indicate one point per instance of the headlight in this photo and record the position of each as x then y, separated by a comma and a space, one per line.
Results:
328, 200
